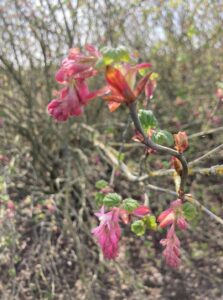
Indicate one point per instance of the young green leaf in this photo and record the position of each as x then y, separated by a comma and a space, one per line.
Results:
115, 55
147, 119
101, 184
138, 227
189, 211
112, 199
150, 222
130, 204
162, 137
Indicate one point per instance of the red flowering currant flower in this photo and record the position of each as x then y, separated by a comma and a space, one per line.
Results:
171, 252
72, 100
181, 141
150, 88
108, 233
73, 73
78, 65
122, 81
140, 211
173, 215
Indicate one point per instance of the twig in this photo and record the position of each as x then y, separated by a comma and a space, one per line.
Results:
202, 133
132, 177
206, 155
214, 170
162, 149
192, 136
190, 199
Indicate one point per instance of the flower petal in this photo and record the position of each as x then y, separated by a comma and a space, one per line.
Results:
113, 106
141, 85
115, 78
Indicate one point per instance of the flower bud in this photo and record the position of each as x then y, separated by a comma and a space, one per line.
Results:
181, 141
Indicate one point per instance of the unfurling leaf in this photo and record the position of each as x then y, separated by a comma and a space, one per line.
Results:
101, 184
112, 199
115, 55
162, 137
189, 211
150, 222
138, 227
130, 204
147, 119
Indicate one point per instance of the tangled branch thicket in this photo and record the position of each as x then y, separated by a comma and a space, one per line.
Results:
49, 170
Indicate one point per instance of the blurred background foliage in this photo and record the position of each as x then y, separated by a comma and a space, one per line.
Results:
48, 169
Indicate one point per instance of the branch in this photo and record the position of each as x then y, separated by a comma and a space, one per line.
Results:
159, 148
206, 155
134, 178
190, 199
202, 133
214, 170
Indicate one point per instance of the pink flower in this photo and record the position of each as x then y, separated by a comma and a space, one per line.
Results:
108, 233
122, 81
150, 88
72, 99
172, 215
141, 211
171, 252
78, 65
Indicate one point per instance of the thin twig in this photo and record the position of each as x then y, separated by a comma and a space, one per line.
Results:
202, 133
206, 155
162, 149
192, 136
191, 199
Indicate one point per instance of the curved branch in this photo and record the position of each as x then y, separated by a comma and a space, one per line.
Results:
162, 149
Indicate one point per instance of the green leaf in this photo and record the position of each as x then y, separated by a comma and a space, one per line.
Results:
115, 55
100, 184
189, 211
112, 199
144, 71
138, 227
122, 54
162, 137
147, 119
150, 222
130, 204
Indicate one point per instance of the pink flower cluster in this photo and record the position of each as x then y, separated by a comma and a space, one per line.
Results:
73, 73
108, 233
173, 216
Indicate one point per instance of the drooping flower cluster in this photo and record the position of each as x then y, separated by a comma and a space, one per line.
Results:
78, 67
73, 73
171, 252
108, 233
173, 216
120, 88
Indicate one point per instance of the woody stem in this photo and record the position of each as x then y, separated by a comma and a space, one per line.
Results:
161, 149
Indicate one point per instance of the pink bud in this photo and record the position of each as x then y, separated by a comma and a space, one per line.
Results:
141, 211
